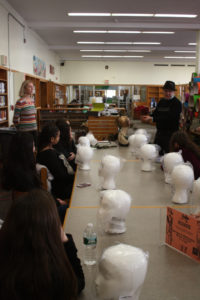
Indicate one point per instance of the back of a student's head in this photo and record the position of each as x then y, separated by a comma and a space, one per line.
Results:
32, 251
179, 140
21, 148
64, 128
49, 131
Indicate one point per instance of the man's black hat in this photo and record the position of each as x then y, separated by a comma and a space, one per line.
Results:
169, 85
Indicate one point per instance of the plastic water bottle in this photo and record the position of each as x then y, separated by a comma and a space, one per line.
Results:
90, 242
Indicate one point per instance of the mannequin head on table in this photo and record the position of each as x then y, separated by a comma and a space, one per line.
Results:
110, 166
148, 155
182, 179
122, 271
84, 156
114, 208
83, 141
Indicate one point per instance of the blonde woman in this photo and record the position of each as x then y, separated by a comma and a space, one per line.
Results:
25, 112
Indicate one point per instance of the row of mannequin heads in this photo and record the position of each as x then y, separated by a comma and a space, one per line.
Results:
114, 282
177, 173
122, 268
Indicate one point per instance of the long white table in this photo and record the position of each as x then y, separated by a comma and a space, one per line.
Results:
171, 275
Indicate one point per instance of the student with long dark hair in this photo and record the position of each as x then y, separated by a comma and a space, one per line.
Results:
61, 170
190, 151
66, 143
19, 170
37, 260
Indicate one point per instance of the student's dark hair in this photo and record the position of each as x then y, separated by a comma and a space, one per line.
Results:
64, 128
48, 131
19, 170
33, 262
182, 139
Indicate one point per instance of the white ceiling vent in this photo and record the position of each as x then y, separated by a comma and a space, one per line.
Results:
177, 65
161, 65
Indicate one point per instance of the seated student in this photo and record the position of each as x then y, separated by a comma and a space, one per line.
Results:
58, 166
37, 259
19, 170
66, 143
190, 151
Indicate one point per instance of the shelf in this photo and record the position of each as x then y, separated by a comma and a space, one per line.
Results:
3, 94
3, 107
3, 121
4, 80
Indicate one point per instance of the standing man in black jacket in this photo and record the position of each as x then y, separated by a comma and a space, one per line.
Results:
166, 116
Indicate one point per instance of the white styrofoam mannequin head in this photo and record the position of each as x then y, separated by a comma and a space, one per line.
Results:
170, 160
141, 131
110, 166
139, 141
83, 157
83, 141
122, 271
91, 138
148, 155
114, 208
182, 178
131, 142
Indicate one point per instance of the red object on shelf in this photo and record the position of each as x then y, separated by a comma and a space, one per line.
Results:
139, 111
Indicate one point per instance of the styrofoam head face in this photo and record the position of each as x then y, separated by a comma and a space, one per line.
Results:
91, 138
140, 140
171, 160
149, 152
131, 139
141, 131
183, 176
84, 141
84, 153
114, 203
110, 165
122, 271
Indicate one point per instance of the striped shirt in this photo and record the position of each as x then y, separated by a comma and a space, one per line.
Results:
25, 115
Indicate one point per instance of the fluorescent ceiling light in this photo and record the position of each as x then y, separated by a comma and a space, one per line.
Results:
175, 16
146, 43
139, 51
132, 15
89, 31
113, 56
106, 31
182, 51
91, 50
118, 43
89, 14
158, 32
114, 50
91, 56
122, 31
192, 44
135, 56
90, 43
185, 57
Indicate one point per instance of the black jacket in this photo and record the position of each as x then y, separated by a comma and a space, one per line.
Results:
167, 114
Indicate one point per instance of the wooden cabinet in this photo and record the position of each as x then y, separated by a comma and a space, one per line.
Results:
3, 97
103, 127
56, 94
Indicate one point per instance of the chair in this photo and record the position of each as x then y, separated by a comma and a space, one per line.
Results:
45, 176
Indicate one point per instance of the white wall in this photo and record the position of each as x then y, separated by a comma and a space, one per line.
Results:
21, 54
94, 72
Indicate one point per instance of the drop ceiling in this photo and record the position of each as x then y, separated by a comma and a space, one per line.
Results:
50, 20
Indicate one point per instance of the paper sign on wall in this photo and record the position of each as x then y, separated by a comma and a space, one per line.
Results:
183, 233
